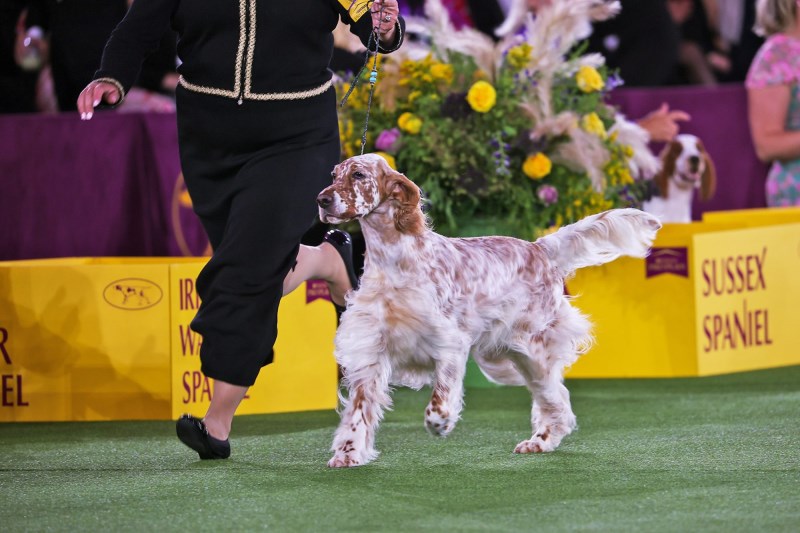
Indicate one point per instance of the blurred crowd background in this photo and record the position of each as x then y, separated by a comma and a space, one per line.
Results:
50, 49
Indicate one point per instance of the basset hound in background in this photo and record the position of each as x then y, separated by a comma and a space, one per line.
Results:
686, 166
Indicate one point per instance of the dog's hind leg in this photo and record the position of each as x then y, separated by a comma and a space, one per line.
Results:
552, 418
551, 414
447, 399
368, 396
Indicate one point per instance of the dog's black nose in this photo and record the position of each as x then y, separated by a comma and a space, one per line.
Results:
324, 200
694, 162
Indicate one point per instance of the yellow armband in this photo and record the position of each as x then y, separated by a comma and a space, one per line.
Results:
356, 8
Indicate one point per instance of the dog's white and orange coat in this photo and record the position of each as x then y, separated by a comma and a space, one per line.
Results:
426, 302
685, 167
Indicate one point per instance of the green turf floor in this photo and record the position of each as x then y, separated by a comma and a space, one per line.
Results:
705, 454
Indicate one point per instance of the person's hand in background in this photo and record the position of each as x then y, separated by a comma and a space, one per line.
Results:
663, 123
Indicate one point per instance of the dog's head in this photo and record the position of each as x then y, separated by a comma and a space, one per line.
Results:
366, 184
685, 161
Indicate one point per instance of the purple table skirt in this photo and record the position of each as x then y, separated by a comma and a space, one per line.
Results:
108, 187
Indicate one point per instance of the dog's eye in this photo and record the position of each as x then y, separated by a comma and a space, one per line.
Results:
358, 175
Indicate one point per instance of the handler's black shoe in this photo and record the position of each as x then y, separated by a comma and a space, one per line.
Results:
343, 243
193, 433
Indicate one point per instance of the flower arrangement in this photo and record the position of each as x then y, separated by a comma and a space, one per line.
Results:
508, 138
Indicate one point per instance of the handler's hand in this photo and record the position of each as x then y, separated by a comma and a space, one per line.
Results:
385, 21
93, 94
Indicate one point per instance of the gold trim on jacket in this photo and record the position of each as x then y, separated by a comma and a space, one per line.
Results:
244, 67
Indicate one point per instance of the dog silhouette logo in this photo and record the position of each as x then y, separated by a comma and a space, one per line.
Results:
132, 294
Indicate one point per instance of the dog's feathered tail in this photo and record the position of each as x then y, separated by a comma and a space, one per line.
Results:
601, 238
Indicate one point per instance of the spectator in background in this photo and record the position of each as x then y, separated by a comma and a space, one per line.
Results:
487, 15
736, 42
663, 124
482, 15
696, 43
75, 34
642, 42
717, 40
773, 91
17, 85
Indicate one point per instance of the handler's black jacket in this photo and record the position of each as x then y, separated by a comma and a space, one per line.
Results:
241, 49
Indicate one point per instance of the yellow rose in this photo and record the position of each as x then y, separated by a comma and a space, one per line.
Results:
537, 166
403, 119
589, 79
481, 96
593, 124
410, 123
389, 159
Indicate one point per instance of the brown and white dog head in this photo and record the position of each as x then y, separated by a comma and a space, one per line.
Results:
366, 184
686, 162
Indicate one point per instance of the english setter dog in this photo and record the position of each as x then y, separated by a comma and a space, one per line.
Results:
425, 302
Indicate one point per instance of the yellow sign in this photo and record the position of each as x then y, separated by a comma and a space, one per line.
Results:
109, 339
83, 340
747, 291
643, 319
713, 297
303, 375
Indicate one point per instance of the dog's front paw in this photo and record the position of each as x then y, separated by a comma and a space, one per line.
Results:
347, 455
438, 423
343, 461
537, 444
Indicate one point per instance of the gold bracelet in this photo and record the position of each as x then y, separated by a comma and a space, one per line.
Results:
116, 84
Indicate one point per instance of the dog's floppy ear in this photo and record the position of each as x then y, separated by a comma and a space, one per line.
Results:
408, 217
668, 156
708, 181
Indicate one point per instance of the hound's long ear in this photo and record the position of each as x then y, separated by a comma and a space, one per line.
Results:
408, 217
708, 181
668, 156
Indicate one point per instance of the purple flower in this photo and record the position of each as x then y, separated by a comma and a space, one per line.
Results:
387, 140
614, 81
547, 194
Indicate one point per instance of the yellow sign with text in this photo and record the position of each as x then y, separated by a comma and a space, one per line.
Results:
303, 375
109, 339
83, 339
713, 297
747, 290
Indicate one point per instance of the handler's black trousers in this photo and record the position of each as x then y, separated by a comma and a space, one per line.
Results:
253, 172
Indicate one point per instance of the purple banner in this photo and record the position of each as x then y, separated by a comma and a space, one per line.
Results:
667, 261
316, 289
111, 186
